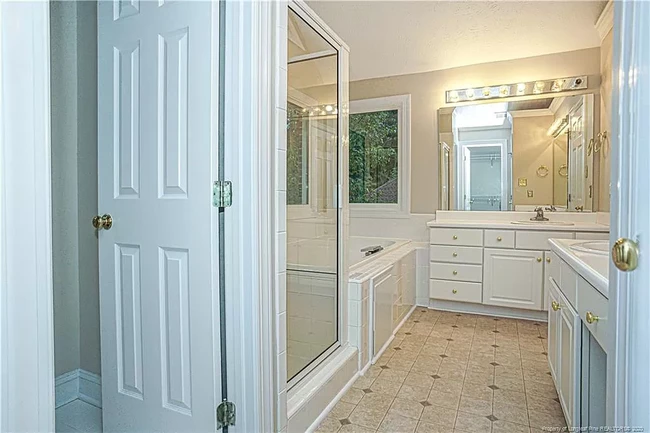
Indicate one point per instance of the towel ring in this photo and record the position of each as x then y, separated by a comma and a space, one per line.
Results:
542, 171
563, 170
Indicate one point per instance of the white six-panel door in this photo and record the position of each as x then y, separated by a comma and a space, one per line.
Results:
157, 160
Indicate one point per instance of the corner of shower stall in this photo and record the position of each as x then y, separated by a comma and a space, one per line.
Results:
315, 361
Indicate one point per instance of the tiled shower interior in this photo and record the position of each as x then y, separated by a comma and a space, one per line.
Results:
449, 372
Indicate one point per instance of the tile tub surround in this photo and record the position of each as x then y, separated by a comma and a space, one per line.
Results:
449, 372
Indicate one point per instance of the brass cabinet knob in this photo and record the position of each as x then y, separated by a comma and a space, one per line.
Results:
555, 305
539, 259
591, 318
499, 239
454, 291
454, 254
455, 237
548, 260
455, 272
103, 222
625, 254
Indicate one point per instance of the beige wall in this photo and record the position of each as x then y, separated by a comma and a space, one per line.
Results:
73, 32
532, 148
605, 119
427, 96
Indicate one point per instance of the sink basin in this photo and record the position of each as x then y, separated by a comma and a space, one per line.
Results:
545, 223
600, 248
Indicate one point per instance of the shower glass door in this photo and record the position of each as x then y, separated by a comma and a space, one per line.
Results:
312, 197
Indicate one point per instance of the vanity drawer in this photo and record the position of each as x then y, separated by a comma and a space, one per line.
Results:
592, 301
455, 290
451, 254
538, 240
457, 272
447, 236
500, 238
568, 283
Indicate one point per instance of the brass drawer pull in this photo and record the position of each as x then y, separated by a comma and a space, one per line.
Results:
455, 237
454, 291
499, 239
548, 260
454, 254
455, 272
539, 259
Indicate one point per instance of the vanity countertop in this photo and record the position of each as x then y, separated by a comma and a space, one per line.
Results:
576, 226
592, 267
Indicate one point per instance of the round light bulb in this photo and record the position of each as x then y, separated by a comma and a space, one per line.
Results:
469, 93
328, 108
486, 91
504, 91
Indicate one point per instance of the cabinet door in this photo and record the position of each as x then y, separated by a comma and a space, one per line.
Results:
384, 288
568, 385
548, 264
554, 348
513, 278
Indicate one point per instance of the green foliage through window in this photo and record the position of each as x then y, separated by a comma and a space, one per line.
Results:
297, 156
374, 157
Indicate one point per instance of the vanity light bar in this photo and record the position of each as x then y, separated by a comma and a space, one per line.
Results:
538, 87
320, 110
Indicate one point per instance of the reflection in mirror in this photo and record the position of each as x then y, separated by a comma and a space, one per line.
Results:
517, 155
312, 197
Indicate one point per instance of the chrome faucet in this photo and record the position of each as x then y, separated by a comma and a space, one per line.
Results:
551, 208
540, 215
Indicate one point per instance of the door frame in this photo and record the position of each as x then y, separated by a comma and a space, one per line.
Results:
26, 310
628, 377
26, 340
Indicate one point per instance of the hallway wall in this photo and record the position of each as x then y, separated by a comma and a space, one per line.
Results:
73, 32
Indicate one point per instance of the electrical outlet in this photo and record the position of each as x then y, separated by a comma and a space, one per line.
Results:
529, 193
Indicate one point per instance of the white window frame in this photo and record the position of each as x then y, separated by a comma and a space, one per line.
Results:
401, 103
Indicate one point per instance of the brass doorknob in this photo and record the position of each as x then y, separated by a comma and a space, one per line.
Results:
625, 254
103, 222
590, 318
555, 305
548, 260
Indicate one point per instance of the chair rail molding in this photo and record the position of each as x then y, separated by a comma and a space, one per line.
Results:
26, 324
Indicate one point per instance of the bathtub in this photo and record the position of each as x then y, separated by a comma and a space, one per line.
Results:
356, 258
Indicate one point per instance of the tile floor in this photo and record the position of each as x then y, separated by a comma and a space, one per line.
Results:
448, 372
78, 416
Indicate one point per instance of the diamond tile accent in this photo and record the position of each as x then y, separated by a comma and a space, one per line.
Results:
544, 353
454, 326
536, 324
494, 345
444, 356
496, 332
407, 333
458, 315
384, 367
367, 390
435, 376
492, 418
345, 421
450, 339
557, 399
398, 348
416, 321
493, 387
496, 320
494, 363
425, 403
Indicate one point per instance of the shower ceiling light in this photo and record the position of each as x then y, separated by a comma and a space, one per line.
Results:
519, 89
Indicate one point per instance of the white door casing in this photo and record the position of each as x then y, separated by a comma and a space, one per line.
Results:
628, 381
157, 160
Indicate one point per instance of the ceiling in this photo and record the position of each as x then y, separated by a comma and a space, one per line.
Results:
403, 37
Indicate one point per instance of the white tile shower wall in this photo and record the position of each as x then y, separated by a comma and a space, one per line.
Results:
312, 316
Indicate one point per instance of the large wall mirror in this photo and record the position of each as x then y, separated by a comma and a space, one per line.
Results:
517, 155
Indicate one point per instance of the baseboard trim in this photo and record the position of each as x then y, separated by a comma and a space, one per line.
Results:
78, 384
489, 310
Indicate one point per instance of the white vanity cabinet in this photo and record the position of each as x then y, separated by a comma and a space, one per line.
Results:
500, 267
513, 278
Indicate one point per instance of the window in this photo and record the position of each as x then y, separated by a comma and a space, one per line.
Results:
379, 156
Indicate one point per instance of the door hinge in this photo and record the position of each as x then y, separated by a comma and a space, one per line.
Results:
226, 413
222, 193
